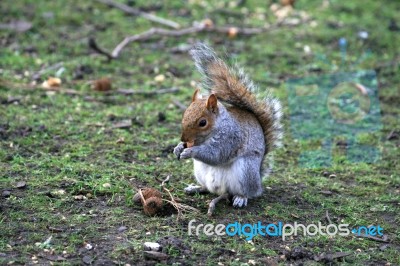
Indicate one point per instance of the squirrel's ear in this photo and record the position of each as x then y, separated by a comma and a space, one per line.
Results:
212, 103
196, 95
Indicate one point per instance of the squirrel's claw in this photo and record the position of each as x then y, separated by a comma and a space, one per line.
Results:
187, 153
239, 201
178, 150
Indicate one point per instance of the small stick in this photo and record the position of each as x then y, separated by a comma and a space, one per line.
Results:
211, 206
141, 196
136, 12
166, 180
92, 44
176, 33
178, 206
327, 217
154, 92
330, 257
179, 105
375, 238
199, 27
22, 86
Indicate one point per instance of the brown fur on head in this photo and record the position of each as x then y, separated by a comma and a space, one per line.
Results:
199, 119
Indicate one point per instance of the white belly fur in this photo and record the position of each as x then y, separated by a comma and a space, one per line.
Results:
220, 179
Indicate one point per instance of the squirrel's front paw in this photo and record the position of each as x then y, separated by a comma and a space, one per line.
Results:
187, 153
179, 149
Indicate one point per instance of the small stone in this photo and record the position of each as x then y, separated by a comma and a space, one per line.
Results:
122, 229
58, 192
332, 176
87, 259
6, 193
307, 49
159, 78
106, 185
155, 255
88, 246
79, 197
252, 262
363, 35
21, 184
152, 246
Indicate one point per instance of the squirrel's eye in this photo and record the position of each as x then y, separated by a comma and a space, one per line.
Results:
203, 123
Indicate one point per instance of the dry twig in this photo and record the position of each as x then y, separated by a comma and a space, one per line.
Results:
178, 206
136, 12
384, 239
179, 104
199, 27
23, 86
142, 92
327, 217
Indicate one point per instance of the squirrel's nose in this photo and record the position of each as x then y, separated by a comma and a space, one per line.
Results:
183, 138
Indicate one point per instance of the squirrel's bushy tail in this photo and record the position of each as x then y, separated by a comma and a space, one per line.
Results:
231, 85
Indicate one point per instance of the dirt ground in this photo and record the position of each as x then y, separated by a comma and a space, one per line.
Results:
72, 157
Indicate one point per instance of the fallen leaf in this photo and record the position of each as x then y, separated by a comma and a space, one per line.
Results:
120, 140
287, 2
51, 83
232, 32
103, 84
208, 23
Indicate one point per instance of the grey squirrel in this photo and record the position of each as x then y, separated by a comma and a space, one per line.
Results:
229, 132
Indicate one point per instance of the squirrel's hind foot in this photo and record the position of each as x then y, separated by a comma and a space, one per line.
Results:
239, 201
213, 203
